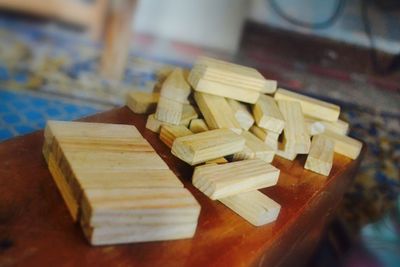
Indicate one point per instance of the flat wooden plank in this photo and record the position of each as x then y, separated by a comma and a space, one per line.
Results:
223, 180
311, 107
169, 133
202, 147
175, 87
268, 137
217, 112
320, 158
267, 114
198, 126
169, 111
142, 102
253, 206
242, 114
345, 145
254, 149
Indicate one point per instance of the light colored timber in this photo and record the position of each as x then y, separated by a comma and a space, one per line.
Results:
153, 124
198, 126
224, 180
339, 126
202, 147
311, 107
175, 86
314, 127
108, 235
268, 137
269, 87
320, 158
169, 111
188, 113
254, 148
345, 145
169, 133
217, 112
141, 206
223, 90
295, 133
255, 207
285, 151
221, 160
267, 114
242, 114
142, 102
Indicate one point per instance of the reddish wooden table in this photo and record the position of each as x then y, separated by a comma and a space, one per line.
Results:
36, 228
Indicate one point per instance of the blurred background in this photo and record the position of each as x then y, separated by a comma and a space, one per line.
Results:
64, 60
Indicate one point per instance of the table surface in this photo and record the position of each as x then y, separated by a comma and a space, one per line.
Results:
37, 230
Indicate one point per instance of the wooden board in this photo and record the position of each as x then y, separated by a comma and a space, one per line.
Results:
308, 203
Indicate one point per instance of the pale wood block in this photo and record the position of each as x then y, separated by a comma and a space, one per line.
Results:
242, 114
313, 126
269, 87
221, 160
169, 133
67, 131
142, 102
202, 147
254, 148
175, 86
153, 124
217, 112
109, 235
255, 207
224, 180
169, 111
138, 206
311, 107
198, 126
223, 90
320, 158
268, 137
295, 133
286, 152
188, 113
267, 114
345, 145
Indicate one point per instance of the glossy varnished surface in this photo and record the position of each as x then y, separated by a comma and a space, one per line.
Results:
36, 228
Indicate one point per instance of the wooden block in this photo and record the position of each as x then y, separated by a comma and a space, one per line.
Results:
153, 124
254, 148
142, 102
169, 133
108, 235
269, 87
217, 112
188, 113
320, 158
295, 134
224, 180
202, 147
242, 114
221, 160
313, 126
267, 114
268, 137
319, 126
169, 111
198, 126
175, 87
311, 107
67, 131
223, 90
345, 145
286, 152
255, 207
138, 206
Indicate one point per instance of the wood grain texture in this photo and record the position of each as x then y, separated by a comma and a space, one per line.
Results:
224, 180
268, 137
320, 158
267, 114
198, 126
153, 124
345, 145
175, 86
142, 102
308, 203
311, 107
169, 111
217, 112
242, 114
202, 147
169, 133
295, 133
253, 206
254, 148
339, 126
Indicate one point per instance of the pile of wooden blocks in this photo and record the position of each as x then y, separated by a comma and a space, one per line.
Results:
229, 122
116, 185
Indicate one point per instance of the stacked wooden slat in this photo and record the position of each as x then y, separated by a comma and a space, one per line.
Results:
244, 121
116, 185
